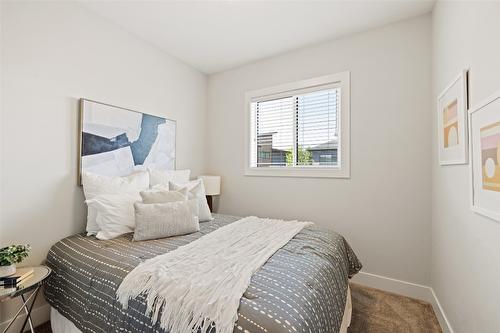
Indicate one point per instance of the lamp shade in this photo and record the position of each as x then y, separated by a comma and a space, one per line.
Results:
211, 183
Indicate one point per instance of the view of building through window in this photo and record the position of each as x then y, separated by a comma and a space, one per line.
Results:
299, 130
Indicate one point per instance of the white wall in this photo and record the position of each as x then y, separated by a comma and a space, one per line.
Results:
1, 120
53, 54
384, 210
465, 246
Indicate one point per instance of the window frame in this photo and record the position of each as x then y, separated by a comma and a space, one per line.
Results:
341, 80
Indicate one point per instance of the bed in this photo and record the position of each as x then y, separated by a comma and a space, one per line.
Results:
303, 287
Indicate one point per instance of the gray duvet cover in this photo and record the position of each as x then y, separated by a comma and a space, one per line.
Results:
301, 288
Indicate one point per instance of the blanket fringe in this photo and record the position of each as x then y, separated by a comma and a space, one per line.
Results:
201, 283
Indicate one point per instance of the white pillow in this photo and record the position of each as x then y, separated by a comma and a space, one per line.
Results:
165, 219
161, 196
115, 214
94, 185
196, 190
160, 187
165, 176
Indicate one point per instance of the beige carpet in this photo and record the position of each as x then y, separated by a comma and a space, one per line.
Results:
377, 311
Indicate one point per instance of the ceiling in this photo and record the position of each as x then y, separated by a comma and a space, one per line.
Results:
213, 36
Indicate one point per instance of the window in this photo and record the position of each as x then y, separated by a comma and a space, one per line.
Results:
299, 129
327, 159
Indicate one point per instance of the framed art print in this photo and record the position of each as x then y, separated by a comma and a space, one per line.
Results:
484, 128
117, 142
452, 122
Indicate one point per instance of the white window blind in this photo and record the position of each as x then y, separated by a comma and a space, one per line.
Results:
296, 129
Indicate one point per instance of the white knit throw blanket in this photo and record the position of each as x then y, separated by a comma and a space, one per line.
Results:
202, 282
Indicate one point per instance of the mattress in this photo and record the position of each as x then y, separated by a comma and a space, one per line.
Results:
303, 287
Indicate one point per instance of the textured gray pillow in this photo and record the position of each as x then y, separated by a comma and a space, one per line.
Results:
196, 190
160, 196
169, 219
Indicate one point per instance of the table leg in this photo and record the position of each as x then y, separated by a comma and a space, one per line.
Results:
21, 309
28, 313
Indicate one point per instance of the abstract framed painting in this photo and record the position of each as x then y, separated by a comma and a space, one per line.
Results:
115, 141
452, 122
484, 129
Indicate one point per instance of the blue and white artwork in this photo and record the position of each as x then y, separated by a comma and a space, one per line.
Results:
118, 142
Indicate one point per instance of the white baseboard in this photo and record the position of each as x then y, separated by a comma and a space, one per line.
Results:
443, 320
39, 315
408, 289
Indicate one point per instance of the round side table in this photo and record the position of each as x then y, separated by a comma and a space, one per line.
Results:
31, 284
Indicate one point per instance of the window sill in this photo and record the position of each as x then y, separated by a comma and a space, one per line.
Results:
313, 172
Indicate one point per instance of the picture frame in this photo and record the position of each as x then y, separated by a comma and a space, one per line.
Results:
452, 105
115, 141
484, 151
